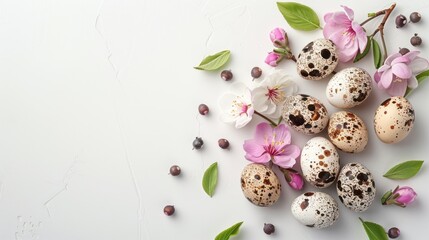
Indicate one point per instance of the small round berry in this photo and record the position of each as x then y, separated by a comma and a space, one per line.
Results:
256, 72
404, 51
223, 143
203, 109
269, 228
175, 170
198, 143
226, 75
416, 40
400, 21
415, 17
394, 232
169, 210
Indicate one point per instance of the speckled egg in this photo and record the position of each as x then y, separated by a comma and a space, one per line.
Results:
349, 87
317, 59
394, 120
315, 209
305, 114
320, 162
356, 187
348, 132
260, 185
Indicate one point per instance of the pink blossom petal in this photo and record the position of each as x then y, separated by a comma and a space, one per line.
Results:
263, 132
253, 148
397, 88
418, 65
401, 70
377, 76
401, 59
336, 18
350, 13
412, 82
412, 54
386, 79
391, 58
349, 52
384, 68
361, 36
288, 158
281, 133
264, 158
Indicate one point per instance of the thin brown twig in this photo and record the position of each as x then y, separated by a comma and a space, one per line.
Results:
380, 28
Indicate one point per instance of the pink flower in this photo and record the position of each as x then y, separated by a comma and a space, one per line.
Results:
348, 36
406, 195
293, 178
273, 59
398, 72
272, 144
278, 37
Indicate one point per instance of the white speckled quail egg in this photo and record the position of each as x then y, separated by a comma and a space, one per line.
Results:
305, 114
315, 209
356, 187
317, 59
394, 120
320, 162
348, 132
260, 185
349, 87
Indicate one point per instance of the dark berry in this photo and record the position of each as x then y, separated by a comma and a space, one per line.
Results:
223, 143
394, 232
404, 51
203, 109
256, 72
226, 75
175, 170
198, 143
269, 228
169, 210
415, 17
400, 21
416, 40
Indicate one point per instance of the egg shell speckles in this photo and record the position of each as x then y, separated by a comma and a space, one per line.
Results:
320, 162
356, 187
394, 120
305, 114
260, 185
348, 132
317, 59
349, 87
315, 209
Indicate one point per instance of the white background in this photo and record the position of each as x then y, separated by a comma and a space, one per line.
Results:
99, 98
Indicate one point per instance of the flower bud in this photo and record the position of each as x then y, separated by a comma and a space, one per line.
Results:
401, 196
279, 37
273, 59
293, 178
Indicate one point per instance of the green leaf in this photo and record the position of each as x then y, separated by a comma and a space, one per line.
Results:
214, 62
386, 196
376, 52
374, 231
359, 56
420, 77
210, 179
298, 16
227, 233
404, 170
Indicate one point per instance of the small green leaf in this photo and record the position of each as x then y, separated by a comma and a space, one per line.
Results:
376, 52
374, 231
298, 16
214, 62
227, 233
386, 196
404, 170
420, 77
359, 56
210, 179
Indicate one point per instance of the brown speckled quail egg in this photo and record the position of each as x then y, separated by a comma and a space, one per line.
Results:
260, 185
317, 59
349, 87
348, 132
394, 120
315, 209
305, 114
356, 187
320, 162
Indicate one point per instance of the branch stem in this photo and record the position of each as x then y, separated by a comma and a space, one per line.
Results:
264, 117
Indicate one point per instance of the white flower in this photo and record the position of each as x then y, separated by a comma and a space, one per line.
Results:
236, 105
269, 97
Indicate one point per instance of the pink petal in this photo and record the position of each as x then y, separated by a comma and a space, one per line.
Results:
401, 70
401, 59
334, 34
263, 132
349, 12
391, 58
348, 52
386, 79
384, 68
264, 158
360, 35
412, 54
288, 158
418, 65
412, 82
397, 88
281, 133
377, 76
336, 18
253, 148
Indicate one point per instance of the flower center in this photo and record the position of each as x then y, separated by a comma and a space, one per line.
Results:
239, 107
275, 95
274, 147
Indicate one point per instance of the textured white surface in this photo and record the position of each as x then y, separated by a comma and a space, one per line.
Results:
99, 98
